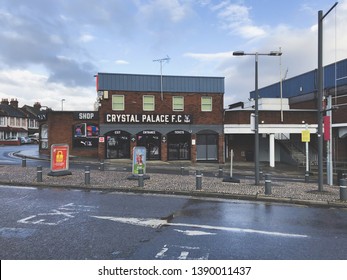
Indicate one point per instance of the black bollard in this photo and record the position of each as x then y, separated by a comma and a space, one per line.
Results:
87, 175
267, 184
220, 172
307, 177
39, 173
24, 162
198, 184
102, 166
140, 178
343, 189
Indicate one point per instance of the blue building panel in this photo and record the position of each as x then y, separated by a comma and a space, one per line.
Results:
334, 74
152, 83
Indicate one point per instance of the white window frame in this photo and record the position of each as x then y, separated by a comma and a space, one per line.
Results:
147, 103
121, 104
175, 106
206, 101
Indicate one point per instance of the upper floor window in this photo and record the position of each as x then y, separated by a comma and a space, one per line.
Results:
148, 103
178, 103
118, 102
206, 103
2, 121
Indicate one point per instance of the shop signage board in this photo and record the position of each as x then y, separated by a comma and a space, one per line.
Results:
149, 118
60, 159
139, 160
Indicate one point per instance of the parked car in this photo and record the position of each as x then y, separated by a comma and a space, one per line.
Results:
24, 140
34, 138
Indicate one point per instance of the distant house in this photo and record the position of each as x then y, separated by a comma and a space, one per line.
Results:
13, 122
31, 113
17, 122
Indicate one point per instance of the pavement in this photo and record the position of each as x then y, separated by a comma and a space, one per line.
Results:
292, 178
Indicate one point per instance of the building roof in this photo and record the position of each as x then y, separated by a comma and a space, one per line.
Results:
8, 110
334, 74
152, 83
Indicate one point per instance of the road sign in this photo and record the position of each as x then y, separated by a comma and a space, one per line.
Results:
305, 136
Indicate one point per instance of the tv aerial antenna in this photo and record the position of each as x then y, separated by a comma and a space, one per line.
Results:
161, 61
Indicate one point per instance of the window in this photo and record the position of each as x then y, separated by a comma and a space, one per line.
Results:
2, 121
118, 102
206, 103
148, 103
178, 103
44, 136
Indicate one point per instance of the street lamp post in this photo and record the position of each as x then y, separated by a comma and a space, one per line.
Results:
320, 96
256, 111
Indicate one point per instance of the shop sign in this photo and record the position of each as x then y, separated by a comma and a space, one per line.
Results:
139, 160
101, 139
59, 157
89, 115
148, 118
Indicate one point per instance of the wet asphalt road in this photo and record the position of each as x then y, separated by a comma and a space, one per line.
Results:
69, 224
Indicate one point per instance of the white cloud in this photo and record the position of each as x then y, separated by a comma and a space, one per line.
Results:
236, 20
121, 62
85, 38
171, 9
36, 88
209, 56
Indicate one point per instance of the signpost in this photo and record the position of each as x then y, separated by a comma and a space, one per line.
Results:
306, 137
59, 160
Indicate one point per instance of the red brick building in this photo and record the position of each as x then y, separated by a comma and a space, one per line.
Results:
173, 117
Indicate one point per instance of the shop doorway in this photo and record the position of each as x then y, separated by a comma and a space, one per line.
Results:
151, 140
179, 145
207, 146
117, 144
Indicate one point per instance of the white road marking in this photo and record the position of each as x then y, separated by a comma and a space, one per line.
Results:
195, 232
156, 223
182, 253
57, 216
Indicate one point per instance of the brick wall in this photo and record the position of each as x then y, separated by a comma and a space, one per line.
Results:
60, 131
192, 105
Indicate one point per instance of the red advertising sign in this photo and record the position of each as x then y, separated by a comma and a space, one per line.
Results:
59, 157
326, 123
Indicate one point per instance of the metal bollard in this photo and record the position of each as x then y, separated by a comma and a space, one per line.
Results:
87, 175
261, 175
102, 166
220, 172
343, 189
24, 162
39, 173
267, 184
198, 184
307, 177
140, 178
182, 170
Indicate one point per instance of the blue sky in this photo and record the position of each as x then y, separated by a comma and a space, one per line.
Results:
51, 49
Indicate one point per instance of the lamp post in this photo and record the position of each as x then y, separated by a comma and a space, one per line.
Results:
256, 111
62, 104
320, 96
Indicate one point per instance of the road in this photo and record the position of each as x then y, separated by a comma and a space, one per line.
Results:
48, 223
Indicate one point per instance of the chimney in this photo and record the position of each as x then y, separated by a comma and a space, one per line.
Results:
37, 106
4, 101
14, 103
